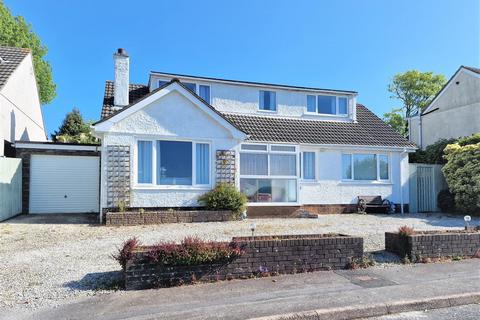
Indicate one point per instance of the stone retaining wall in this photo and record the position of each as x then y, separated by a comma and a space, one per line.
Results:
262, 256
434, 244
131, 218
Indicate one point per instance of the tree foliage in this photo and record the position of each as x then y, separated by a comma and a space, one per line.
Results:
415, 89
74, 130
16, 32
396, 120
462, 173
433, 154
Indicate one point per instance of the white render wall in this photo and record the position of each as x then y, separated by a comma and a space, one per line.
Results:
235, 98
172, 117
330, 189
20, 110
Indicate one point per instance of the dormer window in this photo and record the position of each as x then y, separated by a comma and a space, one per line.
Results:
267, 101
203, 90
327, 104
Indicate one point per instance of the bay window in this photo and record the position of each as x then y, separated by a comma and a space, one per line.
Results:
172, 163
365, 167
268, 173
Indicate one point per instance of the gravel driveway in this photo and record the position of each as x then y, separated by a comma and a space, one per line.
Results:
46, 264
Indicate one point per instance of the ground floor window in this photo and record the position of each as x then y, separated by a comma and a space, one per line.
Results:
365, 166
173, 163
269, 173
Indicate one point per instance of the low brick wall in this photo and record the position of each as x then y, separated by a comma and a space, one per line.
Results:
434, 244
131, 218
270, 255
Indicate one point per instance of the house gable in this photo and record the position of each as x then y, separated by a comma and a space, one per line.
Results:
461, 90
170, 111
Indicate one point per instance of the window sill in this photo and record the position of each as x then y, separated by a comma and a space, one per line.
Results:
326, 114
172, 188
367, 183
309, 181
267, 111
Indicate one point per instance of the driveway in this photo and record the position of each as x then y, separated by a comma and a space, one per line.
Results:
47, 261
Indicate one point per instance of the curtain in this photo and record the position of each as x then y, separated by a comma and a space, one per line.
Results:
253, 164
309, 165
346, 166
283, 164
202, 163
204, 92
144, 162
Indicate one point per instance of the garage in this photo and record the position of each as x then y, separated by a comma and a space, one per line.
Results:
59, 178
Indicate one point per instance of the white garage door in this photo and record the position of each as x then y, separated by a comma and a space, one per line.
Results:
64, 184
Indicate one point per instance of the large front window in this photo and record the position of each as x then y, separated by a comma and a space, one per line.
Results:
173, 163
368, 167
268, 173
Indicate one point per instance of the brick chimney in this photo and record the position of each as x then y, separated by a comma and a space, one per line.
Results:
121, 81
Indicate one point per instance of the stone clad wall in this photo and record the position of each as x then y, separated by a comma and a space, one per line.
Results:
433, 244
270, 255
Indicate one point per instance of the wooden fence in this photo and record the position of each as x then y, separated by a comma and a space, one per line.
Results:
10, 187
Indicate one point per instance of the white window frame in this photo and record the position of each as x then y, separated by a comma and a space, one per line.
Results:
302, 178
337, 105
378, 154
154, 184
276, 102
268, 151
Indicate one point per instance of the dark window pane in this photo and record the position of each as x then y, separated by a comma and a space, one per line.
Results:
204, 92
191, 86
326, 104
174, 163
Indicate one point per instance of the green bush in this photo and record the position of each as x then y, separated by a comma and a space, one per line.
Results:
433, 154
224, 197
462, 173
446, 201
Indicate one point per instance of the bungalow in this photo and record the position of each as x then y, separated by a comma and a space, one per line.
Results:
286, 147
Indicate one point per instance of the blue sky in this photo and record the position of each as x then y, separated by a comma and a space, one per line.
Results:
351, 45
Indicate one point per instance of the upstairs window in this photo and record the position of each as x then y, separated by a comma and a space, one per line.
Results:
161, 83
268, 101
326, 104
204, 92
191, 86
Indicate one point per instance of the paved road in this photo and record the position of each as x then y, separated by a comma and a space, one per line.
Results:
252, 298
468, 312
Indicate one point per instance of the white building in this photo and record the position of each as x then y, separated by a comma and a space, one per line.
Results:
453, 113
20, 111
287, 147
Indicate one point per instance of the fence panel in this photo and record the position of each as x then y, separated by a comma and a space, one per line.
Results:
426, 181
10, 187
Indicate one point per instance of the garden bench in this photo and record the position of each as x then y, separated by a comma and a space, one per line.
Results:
373, 202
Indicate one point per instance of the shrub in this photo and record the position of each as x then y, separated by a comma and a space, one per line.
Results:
224, 197
405, 231
462, 173
126, 251
433, 154
446, 201
193, 251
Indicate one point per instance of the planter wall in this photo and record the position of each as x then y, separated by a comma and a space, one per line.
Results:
434, 244
131, 218
269, 255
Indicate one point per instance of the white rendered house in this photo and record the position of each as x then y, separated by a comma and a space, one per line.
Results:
286, 147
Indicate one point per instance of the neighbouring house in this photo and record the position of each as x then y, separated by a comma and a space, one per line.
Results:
286, 147
453, 113
20, 111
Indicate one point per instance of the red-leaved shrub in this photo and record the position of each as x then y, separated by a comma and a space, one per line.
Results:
126, 251
405, 231
193, 251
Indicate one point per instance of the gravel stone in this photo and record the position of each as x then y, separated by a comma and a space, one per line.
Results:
47, 264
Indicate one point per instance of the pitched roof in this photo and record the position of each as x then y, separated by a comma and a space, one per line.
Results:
369, 130
10, 58
476, 70
136, 92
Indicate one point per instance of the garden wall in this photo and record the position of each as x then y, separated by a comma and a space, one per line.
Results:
434, 244
269, 255
131, 218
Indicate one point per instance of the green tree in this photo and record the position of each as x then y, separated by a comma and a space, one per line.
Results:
396, 120
415, 89
74, 129
16, 32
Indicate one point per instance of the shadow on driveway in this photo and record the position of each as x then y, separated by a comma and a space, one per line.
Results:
55, 218
110, 280
435, 219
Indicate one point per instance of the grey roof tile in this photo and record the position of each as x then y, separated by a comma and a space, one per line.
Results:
136, 92
11, 57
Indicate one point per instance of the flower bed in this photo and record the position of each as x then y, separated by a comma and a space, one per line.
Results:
131, 218
165, 265
417, 245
